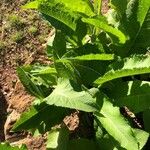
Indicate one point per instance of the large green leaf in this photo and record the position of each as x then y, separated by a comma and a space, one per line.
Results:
59, 25
101, 23
116, 126
63, 11
60, 13
136, 14
141, 137
81, 6
55, 10
73, 37
37, 114
85, 67
133, 94
57, 139
68, 94
88, 70
127, 67
142, 41
135, 23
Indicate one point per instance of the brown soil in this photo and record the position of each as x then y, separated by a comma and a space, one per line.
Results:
13, 98
105, 6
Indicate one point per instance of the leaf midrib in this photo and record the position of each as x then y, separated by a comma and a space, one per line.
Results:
116, 74
112, 124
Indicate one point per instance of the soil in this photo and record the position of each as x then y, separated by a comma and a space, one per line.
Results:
27, 47
30, 49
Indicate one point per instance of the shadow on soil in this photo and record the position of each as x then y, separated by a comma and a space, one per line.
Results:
3, 115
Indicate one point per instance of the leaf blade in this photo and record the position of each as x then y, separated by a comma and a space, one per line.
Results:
134, 65
116, 126
66, 95
102, 24
28, 84
133, 94
57, 138
36, 114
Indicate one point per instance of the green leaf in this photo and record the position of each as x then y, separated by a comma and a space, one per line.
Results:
81, 6
107, 142
59, 45
57, 139
133, 94
102, 57
31, 5
65, 16
146, 119
82, 144
28, 84
68, 94
6, 146
116, 125
136, 12
86, 71
135, 23
62, 12
66, 70
58, 25
37, 115
142, 41
104, 140
59, 12
102, 24
134, 65
141, 137
43, 76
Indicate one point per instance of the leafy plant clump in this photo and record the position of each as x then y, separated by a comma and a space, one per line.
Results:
100, 65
